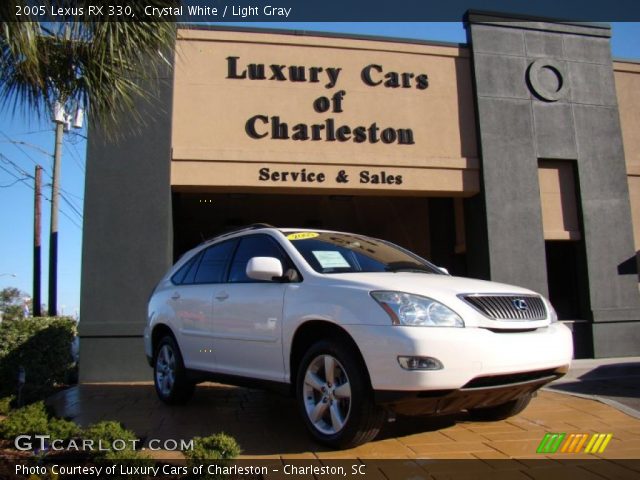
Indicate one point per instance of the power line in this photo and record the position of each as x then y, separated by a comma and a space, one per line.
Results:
16, 167
23, 151
36, 131
25, 174
75, 157
73, 208
13, 183
27, 144
78, 197
11, 173
24, 182
70, 219
75, 203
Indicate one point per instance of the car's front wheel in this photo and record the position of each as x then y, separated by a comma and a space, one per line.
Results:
169, 374
335, 397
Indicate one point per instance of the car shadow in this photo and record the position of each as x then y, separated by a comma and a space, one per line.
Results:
613, 380
263, 423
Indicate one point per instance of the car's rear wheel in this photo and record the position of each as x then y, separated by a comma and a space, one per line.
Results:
335, 397
502, 411
169, 374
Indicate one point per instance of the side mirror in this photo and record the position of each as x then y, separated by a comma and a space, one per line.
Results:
444, 270
264, 268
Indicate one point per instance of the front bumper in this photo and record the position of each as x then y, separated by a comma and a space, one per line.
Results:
439, 402
466, 353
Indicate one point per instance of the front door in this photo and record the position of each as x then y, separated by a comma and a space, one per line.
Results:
247, 315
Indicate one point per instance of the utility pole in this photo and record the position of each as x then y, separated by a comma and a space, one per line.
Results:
37, 246
53, 234
63, 121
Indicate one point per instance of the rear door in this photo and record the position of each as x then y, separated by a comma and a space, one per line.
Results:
192, 303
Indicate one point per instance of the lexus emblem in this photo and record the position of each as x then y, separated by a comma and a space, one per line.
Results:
520, 304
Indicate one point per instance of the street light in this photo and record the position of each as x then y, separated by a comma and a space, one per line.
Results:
8, 275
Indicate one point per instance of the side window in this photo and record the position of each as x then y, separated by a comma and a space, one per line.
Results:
214, 262
190, 276
255, 246
187, 271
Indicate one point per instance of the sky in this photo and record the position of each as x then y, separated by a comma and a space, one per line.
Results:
26, 141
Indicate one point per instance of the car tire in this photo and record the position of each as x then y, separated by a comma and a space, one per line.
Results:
335, 397
169, 374
502, 411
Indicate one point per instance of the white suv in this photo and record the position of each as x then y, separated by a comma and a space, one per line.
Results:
355, 327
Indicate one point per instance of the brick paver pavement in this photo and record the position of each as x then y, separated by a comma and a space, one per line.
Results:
268, 426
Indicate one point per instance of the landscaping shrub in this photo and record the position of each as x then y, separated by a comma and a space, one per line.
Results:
105, 433
214, 449
43, 347
35, 420
6, 403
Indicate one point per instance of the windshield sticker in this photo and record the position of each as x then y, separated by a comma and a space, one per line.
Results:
302, 235
331, 259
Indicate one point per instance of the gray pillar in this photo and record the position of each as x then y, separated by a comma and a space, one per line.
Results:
128, 238
545, 90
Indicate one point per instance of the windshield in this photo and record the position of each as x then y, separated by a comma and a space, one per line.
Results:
331, 252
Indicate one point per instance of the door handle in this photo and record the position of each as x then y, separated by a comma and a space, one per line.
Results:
222, 296
175, 296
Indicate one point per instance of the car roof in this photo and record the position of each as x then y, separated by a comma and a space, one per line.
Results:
256, 227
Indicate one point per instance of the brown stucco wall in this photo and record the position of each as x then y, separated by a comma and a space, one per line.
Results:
627, 78
211, 148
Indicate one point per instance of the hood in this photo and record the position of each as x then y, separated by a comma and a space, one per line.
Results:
428, 284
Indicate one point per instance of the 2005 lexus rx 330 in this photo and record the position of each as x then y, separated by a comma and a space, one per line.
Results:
355, 327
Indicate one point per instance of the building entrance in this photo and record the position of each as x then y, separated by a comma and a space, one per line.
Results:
423, 225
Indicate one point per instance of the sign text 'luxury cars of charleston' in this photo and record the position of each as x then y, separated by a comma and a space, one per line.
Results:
261, 126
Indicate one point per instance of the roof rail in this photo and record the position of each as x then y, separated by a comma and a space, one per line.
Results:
253, 226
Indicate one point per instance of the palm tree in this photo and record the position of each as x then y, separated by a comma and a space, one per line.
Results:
88, 62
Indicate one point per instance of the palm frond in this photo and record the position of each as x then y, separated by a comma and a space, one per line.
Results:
99, 65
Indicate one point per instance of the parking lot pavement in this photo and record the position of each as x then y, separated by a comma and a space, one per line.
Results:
614, 381
268, 426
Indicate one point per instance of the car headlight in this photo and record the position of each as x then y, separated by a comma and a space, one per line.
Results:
415, 310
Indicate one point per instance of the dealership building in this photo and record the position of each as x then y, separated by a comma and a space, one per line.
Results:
514, 157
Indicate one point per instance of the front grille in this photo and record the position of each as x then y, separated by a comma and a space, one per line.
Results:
508, 307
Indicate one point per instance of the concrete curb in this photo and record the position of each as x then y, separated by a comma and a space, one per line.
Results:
612, 403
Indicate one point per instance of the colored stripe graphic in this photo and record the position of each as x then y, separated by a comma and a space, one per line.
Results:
550, 442
570, 443
598, 442
573, 442
582, 442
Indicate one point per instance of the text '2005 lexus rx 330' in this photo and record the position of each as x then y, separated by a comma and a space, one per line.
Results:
355, 327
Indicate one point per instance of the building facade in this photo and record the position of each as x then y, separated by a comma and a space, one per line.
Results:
514, 157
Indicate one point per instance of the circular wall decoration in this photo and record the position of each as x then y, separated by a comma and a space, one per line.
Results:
544, 78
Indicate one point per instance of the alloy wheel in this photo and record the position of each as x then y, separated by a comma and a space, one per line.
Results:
327, 394
165, 370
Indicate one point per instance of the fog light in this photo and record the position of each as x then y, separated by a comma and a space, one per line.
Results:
420, 363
